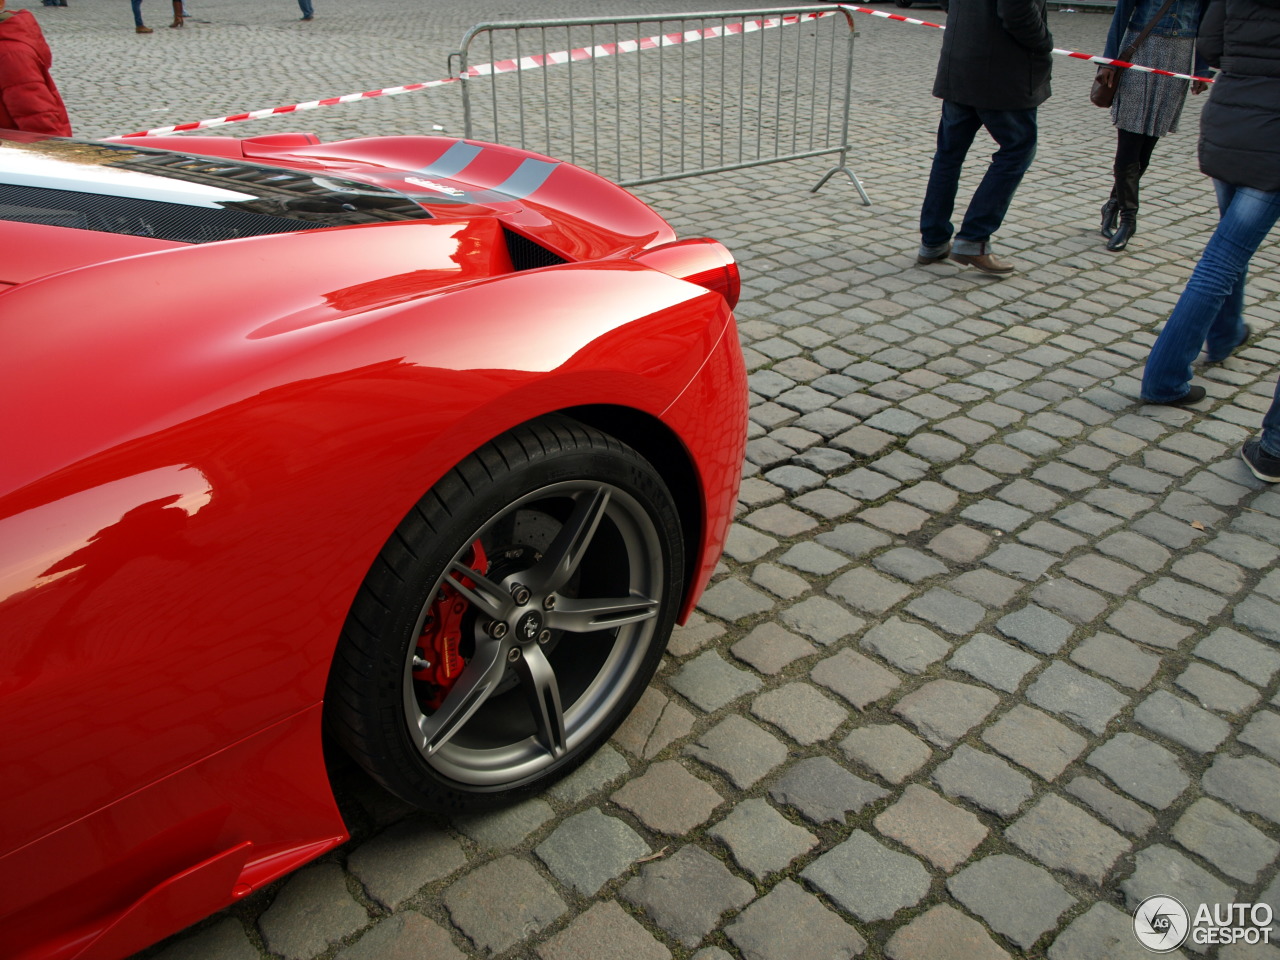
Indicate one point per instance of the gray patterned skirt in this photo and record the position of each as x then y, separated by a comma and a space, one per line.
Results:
1148, 103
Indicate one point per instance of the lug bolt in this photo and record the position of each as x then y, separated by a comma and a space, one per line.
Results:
544, 636
498, 629
513, 654
550, 602
520, 594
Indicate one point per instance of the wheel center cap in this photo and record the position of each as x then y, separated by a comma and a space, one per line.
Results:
528, 627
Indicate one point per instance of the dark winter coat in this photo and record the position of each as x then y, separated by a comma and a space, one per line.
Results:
28, 96
995, 55
1240, 125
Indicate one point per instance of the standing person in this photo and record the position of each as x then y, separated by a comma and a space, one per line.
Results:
993, 73
1240, 150
1154, 33
307, 12
138, 25
29, 98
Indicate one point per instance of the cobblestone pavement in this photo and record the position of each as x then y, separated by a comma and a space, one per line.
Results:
993, 652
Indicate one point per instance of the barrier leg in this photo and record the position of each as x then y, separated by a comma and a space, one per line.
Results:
866, 201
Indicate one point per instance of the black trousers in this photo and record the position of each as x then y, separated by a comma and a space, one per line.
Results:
1133, 148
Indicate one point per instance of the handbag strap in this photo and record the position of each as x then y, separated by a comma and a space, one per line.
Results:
1129, 51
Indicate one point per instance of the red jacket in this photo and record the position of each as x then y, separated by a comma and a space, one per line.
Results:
28, 96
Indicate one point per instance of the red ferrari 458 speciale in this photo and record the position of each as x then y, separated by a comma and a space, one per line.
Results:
419, 444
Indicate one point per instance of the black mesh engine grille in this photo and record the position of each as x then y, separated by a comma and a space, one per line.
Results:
527, 255
161, 220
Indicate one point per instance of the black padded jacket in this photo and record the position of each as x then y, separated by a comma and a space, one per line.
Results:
1240, 125
995, 55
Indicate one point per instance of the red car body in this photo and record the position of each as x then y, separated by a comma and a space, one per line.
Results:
207, 443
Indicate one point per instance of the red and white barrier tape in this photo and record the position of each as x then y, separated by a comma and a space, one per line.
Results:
538, 61
1130, 66
645, 43
533, 62
1105, 61
291, 108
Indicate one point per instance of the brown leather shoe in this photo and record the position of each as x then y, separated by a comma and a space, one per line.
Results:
985, 262
143, 30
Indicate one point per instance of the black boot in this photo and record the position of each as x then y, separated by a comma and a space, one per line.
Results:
1127, 197
1127, 228
1110, 210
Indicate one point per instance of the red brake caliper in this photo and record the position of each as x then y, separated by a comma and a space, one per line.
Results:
442, 635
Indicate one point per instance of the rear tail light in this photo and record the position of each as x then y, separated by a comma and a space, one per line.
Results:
702, 261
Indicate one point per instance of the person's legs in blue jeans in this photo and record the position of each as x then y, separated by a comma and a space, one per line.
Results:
1211, 305
1227, 331
1271, 426
956, 129
1271, 422
137, 13
1015, 132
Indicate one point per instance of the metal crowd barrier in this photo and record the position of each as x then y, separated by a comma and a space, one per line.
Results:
654, 98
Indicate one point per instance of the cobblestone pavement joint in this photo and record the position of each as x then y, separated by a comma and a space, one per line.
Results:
994, 650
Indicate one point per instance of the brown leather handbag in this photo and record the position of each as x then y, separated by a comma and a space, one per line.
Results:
1103, 90
1107, 79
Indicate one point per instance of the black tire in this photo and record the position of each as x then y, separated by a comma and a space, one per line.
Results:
903, 3
556, 510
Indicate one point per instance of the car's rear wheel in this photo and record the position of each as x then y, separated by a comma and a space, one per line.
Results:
512, 620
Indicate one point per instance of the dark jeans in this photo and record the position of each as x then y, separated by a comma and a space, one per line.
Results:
1015, 132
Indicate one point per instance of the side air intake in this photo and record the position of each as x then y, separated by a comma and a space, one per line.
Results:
527, 255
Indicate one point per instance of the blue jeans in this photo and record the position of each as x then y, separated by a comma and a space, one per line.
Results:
1210, 312
1015, 132
305, 7
137, 13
